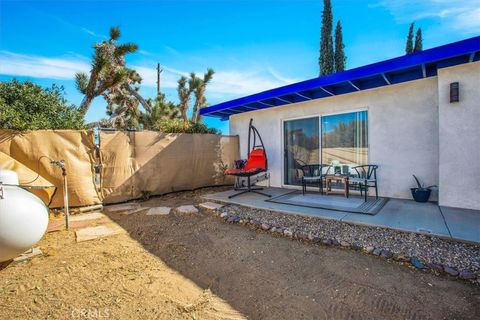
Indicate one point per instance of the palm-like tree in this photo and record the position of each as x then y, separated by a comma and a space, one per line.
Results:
161, 109
199, 86
109, 72
184, 90
122, 109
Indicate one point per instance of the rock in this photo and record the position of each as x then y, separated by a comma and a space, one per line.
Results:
377, 251
233, 219
310, 236
434, 266
279, 230
187, 209
158, 211
344, 244
451, 271
416, 263
467, 275
265, 226
301, 236
288, 233
224, 214
256, 224
273, 229
401, 257
356, 247
335, 242
211, 205
369, 249
316, 239
327, 242
386, 254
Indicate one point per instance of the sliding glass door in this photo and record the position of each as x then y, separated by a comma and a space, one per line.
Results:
345, 141
301, 147
340, 140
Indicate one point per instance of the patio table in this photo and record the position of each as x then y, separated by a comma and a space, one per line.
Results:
341, 178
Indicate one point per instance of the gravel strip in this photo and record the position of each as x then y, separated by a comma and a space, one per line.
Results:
422, 251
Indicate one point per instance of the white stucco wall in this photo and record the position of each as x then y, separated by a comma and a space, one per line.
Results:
459, 131
403, 131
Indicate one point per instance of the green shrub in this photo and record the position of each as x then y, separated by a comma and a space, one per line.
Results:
27, 106
181, 126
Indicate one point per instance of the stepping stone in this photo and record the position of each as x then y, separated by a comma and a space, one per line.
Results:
28, 254
158, 211
126, 213
87, 216
97, 232
187, 209
211, 205
121, 207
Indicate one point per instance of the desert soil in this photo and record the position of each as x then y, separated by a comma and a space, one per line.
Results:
198, 267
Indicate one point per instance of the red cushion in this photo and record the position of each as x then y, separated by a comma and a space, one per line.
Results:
257, 159
257, 162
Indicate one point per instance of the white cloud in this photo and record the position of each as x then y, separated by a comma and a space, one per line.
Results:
463, 16
225, 84
41, 67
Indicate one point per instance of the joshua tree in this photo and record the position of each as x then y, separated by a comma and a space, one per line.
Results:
122, 107
199, 86
161, 109
109, 72
184, 89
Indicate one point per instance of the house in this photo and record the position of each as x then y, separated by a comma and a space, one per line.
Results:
415, 114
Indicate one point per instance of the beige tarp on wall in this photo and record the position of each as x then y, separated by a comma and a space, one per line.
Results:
148, 162
36, 184
35, 149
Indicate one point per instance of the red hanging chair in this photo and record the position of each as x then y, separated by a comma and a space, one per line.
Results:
256, 163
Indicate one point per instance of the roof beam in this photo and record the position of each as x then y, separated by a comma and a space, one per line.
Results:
424, 70
303, 96
266, 104
326, 91
249, 108
385, 77
354, 86
283, 100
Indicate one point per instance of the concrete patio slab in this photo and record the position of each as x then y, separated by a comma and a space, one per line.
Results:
405, 215
463, 224
254, 200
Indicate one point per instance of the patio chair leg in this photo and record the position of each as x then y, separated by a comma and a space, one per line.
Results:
376, 191
366, 192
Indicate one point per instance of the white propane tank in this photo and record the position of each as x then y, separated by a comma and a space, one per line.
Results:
23, 217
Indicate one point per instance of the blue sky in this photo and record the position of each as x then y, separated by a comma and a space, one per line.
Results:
252, 45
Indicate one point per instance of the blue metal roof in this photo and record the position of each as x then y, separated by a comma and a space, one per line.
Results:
405, 68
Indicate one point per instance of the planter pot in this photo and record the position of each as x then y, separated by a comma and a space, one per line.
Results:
420, 195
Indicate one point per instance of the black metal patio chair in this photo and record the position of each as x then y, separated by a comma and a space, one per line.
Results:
366, 178
314, 174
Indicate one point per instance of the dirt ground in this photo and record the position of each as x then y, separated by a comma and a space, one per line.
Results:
199, 267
